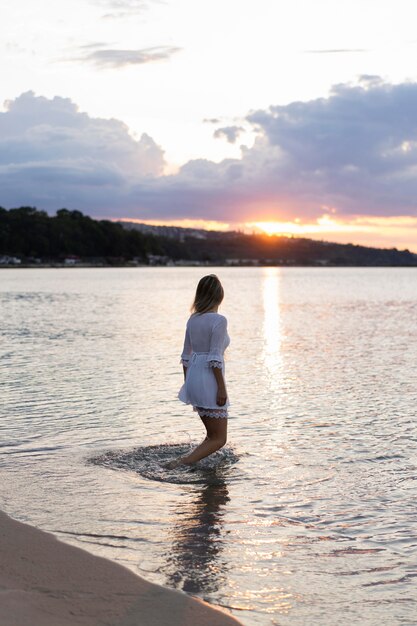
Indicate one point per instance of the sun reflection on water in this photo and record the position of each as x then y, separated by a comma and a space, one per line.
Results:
272, 327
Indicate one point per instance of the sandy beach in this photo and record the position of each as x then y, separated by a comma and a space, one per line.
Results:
44, 582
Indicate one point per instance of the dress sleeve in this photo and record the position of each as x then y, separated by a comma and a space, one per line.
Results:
217, 343
186, 352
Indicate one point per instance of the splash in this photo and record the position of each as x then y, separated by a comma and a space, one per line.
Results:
150, 462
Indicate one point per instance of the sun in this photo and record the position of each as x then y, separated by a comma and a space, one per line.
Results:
325, 223
279, 228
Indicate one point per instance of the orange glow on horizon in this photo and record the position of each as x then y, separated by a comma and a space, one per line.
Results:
296, 227
374, 231
365, 230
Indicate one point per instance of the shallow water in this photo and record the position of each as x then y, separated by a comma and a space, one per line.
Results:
307, 517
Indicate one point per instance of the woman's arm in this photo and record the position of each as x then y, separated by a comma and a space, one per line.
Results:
215, 358
221, 386
186, 351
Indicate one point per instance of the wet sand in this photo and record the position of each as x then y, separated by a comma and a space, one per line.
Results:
44, 582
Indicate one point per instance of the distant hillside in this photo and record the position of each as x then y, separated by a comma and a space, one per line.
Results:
234, 248
29, 236
172, 232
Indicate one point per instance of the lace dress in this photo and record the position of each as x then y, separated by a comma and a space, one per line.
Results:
205, 341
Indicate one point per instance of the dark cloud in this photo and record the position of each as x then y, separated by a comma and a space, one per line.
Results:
231, 133
111, 58
354, 151
51, 154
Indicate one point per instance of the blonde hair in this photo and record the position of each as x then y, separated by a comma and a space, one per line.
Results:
209, 294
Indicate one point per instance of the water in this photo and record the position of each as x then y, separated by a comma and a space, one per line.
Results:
307, 517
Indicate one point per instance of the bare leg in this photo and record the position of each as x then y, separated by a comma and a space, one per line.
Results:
216, 438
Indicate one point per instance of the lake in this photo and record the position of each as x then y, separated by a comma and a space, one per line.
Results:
308, 515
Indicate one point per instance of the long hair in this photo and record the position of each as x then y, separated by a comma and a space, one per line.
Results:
209, 294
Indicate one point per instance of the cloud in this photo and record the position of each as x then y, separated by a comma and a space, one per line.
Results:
349, 154
231, 133
352, 153
336, 51
370, 80
355, 150
124, 8
51, 154
93, 46
124, 5
111, 58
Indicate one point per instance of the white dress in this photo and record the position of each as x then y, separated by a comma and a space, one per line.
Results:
205, 341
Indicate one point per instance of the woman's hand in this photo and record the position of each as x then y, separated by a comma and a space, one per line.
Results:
221, 387
221, 396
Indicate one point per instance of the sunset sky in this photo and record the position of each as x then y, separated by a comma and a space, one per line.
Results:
290, 117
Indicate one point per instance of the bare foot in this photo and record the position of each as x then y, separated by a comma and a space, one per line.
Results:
173, 464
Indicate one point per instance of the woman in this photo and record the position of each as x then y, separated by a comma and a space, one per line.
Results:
204, 385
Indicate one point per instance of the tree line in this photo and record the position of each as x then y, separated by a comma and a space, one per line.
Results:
29, 233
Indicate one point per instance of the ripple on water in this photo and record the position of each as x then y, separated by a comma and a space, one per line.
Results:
150, 462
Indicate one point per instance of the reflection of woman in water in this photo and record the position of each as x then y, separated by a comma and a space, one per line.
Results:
194, 562
204, 385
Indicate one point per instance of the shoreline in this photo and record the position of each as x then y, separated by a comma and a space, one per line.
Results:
237, 265
45, 582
